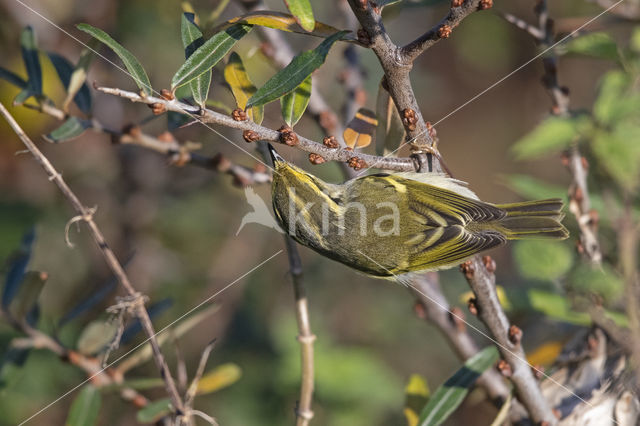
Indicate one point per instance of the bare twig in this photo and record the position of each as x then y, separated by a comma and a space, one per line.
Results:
193, 387
109, 256
304, 413
483, 284
433, 306
264, 133
412, 50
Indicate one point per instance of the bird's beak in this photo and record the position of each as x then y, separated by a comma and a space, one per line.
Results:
275, 157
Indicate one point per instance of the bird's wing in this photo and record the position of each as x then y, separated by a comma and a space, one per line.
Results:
449, 246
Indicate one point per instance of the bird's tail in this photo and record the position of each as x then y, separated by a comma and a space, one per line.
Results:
533, 219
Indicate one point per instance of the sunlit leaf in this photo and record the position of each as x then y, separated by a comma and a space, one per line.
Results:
241, 86
79, 75
451, 394
279, 21
619, 153
615, 99
154, 411
31, 60
545, 354
71, 128
12, 78
294, 103
85, 408
603, 281
295, 73
65, 71
96, 336
136, 71
301, 10
543, 260
209, 54
552, 135
598, 45
218, 378
416, 397
28, 293
17, 268
390, 132
191, 40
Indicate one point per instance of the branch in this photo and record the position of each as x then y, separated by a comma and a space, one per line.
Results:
266, 134
304, 413
533, 31
410, 52
433, 306
507, 337
86, 215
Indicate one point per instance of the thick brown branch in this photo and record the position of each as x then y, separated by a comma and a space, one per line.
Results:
263, 133
86, 215
483, 284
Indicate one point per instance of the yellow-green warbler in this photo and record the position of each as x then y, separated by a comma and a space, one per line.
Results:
391, 224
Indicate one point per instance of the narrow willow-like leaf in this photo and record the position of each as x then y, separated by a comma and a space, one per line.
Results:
65, 70
22, 96
294, 103
552, 135
301, 10
96, 336
279, 21
191, 40
28, 293
136, 327
452, 392
242, 87
132, 64
17, 267
79, 74
13, 78
503, 413
70, 129
416, 397
85, 408
295, 73
598, 45
31, 60
209, 54
218, 378
154, 411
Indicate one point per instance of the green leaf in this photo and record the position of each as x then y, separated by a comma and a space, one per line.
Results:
619, 153
136, 71
451, 394
556, 306
301, 10
22, 96
390, 131
278, 21
154, 411
219, 378
543, 260
96, 336
209, 54
634, 42
615, 101
295, 73
416, 397
137, 384
603, 281
191, 40
12, 78
552, 135
241, 86
294, 103
598, 45
530, 187
65, 71
71, 128
85, 408
79, 74
31, 60
28, 293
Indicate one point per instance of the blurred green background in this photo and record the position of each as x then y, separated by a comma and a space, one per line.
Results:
180, 223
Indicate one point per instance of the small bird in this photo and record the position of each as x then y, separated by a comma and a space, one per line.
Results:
387, 225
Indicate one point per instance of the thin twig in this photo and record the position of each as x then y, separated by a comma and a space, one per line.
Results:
264, 133
109, 256
193, 387
304, 413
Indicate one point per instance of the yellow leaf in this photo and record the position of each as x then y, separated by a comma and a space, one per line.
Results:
242, 87
545, 354
220, 377
416, 397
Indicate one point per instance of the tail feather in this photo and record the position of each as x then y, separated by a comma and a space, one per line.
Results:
534, 219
